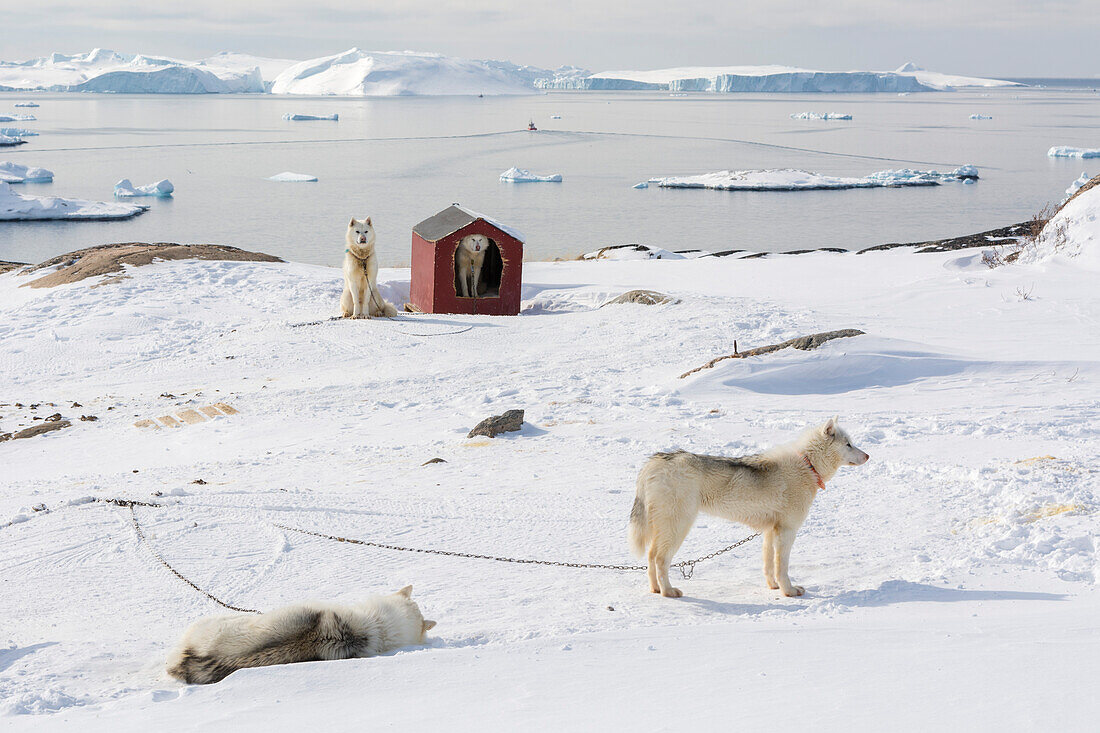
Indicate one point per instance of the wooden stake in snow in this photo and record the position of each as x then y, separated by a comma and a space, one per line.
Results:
803, 343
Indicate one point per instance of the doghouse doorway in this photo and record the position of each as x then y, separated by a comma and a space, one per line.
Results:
492, 269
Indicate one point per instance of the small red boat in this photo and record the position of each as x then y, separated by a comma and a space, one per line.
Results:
531, 126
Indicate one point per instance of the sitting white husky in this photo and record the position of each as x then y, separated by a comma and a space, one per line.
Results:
360, 298
216, 646
469, 258
770, 492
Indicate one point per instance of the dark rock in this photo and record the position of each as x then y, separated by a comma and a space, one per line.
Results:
643, 297
40, 428
199, 481
433, 460
509, 422
54, 417
88, 418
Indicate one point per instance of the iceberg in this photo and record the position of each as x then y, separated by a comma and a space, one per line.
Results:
26, 104
908, 78
980, 117
334, 117
18, 207
17, 118
522, 175
1061, 151
790, 179
16, 173
555, 117
160, 189
288, 177
383, 74
101, 70
17, 132
1077, 185
10, 141
821, 116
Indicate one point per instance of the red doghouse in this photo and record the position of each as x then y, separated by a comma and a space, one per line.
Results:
434, 287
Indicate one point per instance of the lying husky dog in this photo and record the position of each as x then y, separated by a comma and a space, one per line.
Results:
360, 298
216, 646
469, 259
770, 492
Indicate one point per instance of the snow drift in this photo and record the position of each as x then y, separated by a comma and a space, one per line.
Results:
383, 74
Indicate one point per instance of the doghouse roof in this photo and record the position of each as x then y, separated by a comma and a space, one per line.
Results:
453, 218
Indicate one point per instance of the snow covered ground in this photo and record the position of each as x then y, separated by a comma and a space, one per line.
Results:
790, 179
22, 207
951, 581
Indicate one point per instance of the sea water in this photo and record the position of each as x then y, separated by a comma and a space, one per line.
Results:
400, 160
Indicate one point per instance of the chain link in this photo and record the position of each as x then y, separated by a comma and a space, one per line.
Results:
686, 567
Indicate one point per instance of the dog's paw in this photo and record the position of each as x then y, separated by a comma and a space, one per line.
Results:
672, 593
793, 591
771, 583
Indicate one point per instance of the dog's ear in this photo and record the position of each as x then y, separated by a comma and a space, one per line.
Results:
367, 221
352, 225
830, 426
407, 591
428, 625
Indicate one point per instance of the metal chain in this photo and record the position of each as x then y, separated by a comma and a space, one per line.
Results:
145, 541
686, 567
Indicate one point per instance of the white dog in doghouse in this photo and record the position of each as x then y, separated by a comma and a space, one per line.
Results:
469, 258
360, 298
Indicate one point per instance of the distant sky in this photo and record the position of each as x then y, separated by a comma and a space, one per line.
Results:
977, 37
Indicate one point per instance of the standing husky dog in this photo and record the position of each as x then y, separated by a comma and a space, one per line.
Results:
360, 298
216, 646
469, 257
770, 492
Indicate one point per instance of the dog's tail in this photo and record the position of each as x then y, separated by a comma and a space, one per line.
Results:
636, 531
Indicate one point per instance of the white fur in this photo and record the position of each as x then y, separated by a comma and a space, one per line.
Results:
770, 492
216, 646
360, 298
469, 258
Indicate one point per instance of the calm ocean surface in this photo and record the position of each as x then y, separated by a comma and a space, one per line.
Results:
402, 159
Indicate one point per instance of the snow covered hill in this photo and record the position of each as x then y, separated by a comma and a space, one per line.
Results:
908, 78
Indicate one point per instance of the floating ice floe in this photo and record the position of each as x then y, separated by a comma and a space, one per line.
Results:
16, 173
19, 207
27, 104
643, 184
555, 117
161, 189
1062, 151
1078, 184
9, 141
821, 116
17, 118
288, 177
17, 132
522, 175
790, 179
980, 116
293, 117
